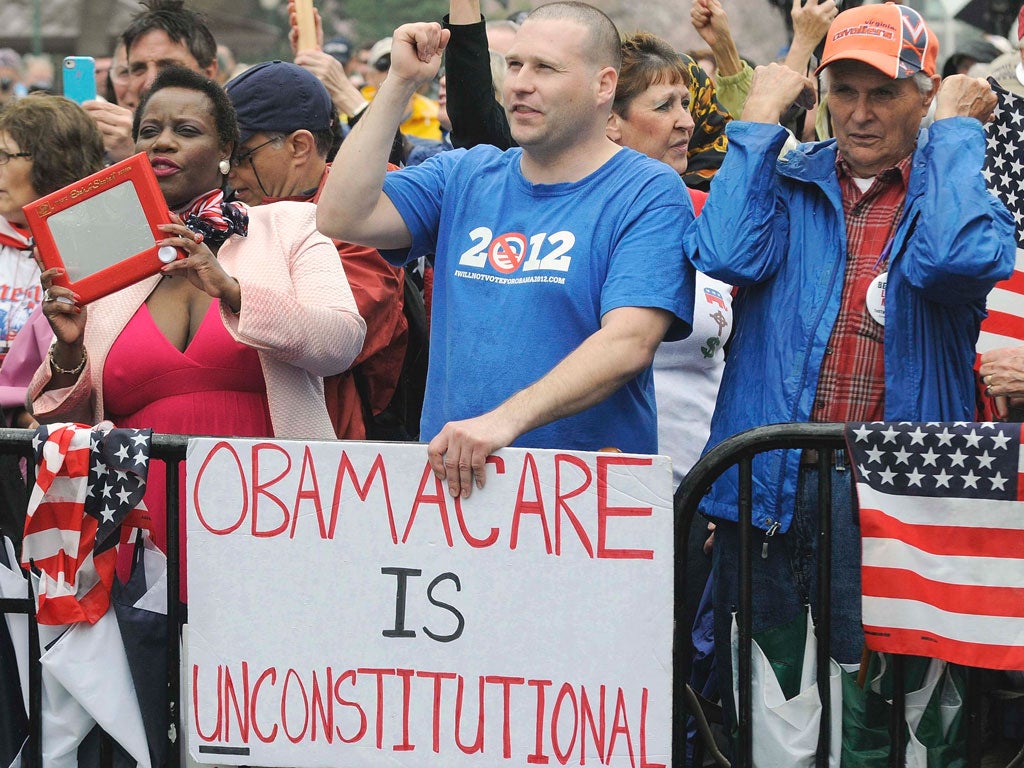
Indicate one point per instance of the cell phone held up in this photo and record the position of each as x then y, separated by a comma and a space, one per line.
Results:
79, 78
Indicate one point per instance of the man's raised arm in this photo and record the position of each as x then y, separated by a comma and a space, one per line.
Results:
353, 206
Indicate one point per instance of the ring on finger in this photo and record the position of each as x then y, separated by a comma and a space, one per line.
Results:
47, 296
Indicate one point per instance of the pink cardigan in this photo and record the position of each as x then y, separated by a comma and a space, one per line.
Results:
26, 354
297, 312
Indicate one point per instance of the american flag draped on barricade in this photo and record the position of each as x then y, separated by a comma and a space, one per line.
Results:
942, 531
1004, 175
88, 481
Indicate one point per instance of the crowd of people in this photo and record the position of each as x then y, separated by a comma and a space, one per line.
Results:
613, 245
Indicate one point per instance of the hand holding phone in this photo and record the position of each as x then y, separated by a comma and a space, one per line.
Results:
80, 78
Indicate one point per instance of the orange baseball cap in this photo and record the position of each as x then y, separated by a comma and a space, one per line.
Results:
891, 38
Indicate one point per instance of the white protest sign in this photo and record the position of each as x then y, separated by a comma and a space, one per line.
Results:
345, 610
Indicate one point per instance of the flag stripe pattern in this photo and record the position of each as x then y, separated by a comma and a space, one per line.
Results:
88, 480
911, 615
1004, 176
942, 530
898, 584
937, 539
956, 648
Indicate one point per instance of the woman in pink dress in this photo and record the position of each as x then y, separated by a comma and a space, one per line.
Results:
232, 340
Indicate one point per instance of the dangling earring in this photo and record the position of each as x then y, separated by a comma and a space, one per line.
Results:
225, 167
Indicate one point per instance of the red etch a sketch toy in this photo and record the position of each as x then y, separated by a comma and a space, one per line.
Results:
102, 230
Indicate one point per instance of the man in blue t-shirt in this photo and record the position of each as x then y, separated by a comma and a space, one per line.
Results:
558, 264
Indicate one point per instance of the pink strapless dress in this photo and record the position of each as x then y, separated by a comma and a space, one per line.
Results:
214, 387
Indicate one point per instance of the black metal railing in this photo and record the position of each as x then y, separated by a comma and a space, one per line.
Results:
169, 449
740, 451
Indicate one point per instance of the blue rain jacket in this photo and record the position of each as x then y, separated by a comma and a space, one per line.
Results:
775, 228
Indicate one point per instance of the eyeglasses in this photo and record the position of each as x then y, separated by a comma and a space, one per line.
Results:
5, 157
241, 157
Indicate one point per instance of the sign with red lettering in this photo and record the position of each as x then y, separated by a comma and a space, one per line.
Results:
345, 610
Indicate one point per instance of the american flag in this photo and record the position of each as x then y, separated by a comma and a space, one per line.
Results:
88, 481
1004, 175
942, 532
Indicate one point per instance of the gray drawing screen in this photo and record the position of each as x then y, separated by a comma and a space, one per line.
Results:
101, 231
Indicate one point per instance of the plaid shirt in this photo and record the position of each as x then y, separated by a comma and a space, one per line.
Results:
851, 383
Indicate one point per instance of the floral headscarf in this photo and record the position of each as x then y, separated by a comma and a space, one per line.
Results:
708, 142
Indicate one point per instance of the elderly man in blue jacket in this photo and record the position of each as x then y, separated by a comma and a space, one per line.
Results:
863, 264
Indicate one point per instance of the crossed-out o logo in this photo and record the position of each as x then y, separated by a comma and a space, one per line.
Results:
507, 252
516, 252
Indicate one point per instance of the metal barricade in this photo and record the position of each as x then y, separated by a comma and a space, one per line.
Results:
740, 450
169, 449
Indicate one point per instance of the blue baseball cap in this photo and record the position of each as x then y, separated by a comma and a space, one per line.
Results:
276, 96
340, 48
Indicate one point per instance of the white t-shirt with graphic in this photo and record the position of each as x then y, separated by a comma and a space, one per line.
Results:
20, 291
687, 374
